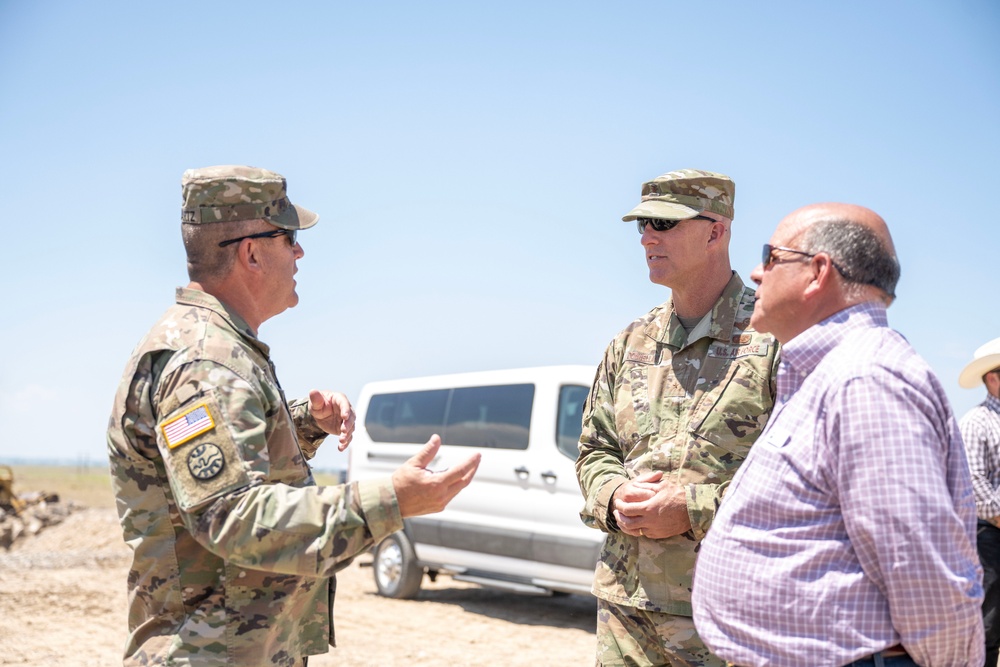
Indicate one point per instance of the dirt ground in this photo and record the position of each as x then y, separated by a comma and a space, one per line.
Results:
62, 604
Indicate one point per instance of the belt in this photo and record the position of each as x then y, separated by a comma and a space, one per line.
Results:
896, 651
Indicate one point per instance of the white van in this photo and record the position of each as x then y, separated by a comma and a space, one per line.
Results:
517, 525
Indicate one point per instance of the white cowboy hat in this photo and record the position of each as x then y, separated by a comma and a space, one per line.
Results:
984, 360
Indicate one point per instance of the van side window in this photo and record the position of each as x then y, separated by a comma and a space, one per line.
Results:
570, 420
495, 416
412, 416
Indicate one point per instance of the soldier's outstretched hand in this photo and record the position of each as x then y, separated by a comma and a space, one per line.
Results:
422, 491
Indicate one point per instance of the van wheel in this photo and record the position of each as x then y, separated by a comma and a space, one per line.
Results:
397, 574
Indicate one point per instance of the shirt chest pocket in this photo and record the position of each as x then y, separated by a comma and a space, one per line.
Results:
728, 419
655, 400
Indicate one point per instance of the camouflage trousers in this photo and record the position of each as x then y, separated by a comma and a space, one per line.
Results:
627, 636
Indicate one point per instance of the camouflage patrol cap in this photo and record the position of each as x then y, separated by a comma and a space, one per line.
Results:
228, 193
685, 193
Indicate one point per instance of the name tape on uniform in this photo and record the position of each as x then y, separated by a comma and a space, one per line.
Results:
187, 425
737, 351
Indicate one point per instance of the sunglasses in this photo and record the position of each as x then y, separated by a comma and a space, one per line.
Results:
290, 233
767, 257
664, 225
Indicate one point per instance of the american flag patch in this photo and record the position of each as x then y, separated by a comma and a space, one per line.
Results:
189, 425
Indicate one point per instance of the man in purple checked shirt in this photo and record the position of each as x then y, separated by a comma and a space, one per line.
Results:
848, 535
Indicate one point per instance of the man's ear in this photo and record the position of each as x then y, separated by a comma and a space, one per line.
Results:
822, 269
248, 255
717, 233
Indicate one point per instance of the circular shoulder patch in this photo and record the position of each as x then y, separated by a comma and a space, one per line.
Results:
205, 461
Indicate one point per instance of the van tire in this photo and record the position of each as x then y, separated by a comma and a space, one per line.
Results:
397, 574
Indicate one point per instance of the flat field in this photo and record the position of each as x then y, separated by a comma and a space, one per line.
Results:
63, 598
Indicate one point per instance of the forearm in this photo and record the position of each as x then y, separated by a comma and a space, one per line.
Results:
311, 531
910, 523
934, 598
600, 473
600, 467
702, 504
987, 498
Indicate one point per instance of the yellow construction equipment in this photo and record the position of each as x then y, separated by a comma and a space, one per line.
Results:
8, 499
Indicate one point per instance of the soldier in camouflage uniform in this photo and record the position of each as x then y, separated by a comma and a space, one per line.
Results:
678, 399
234, 545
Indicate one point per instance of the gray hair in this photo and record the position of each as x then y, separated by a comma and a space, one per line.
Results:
206, 261
856, 251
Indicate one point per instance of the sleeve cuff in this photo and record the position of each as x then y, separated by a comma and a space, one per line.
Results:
310, 435
602, 504
702, 503
380, 508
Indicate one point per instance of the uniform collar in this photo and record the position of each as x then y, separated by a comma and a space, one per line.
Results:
192, 297
722, 318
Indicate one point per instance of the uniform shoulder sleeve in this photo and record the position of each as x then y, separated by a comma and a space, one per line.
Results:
210, 425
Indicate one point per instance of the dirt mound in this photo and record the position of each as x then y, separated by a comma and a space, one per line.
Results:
85, 538
29, 517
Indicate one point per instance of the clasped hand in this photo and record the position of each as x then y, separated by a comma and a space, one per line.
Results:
651, 506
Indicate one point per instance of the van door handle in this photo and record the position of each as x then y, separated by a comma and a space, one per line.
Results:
550, 477
522, 473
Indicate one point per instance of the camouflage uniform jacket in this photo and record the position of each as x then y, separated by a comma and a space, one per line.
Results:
234, 544
689, 406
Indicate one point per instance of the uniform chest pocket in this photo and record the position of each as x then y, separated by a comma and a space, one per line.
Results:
731, 416
657, 395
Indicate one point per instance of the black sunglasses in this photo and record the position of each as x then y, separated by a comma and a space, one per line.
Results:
664, 225
290, 233
767, 258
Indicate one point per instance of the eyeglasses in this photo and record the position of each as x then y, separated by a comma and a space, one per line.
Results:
767, 258
290, 233
664, 225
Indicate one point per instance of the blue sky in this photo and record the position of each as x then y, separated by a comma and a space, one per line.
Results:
470, 163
